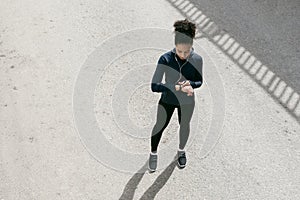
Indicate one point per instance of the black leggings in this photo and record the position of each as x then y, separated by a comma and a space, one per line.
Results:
164, 114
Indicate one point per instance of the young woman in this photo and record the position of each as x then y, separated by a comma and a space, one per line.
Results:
182, 71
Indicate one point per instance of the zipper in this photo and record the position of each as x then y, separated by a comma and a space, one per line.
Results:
180, 67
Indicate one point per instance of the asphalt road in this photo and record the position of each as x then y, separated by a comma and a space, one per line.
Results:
244, 140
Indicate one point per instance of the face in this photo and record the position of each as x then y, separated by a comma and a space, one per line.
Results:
183, 50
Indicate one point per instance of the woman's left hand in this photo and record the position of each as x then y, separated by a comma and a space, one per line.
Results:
188, 89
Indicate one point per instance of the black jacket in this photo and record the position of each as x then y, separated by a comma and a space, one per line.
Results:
175, 70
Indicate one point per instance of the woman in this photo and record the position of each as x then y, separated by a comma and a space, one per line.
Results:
182, 69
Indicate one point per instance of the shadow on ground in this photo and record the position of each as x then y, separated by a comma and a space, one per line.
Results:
261, 37
151, 192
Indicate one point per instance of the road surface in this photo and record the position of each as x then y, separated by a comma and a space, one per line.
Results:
44, 45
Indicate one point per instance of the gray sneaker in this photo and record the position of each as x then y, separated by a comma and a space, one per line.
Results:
152, 163
181, 159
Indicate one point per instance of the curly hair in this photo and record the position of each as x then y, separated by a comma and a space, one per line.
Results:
184, 32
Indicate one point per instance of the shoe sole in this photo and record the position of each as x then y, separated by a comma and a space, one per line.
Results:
151, 170
180, 166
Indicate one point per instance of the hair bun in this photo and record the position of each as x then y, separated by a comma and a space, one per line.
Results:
186, 27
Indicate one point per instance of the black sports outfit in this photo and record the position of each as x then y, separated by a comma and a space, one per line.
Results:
175, 70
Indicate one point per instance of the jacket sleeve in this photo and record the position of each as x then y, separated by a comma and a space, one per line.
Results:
197, 82
156, 83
